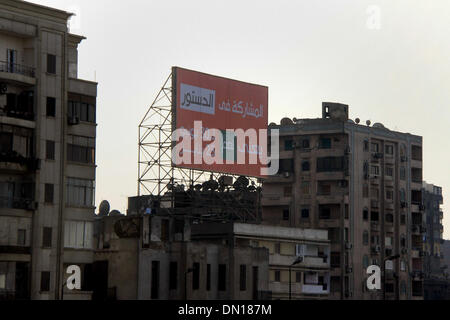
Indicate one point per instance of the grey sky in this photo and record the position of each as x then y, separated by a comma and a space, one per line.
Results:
306, 52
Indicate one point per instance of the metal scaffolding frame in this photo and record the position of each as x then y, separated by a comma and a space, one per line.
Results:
156, 174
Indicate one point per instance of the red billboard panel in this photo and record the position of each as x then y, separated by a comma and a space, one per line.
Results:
221, 104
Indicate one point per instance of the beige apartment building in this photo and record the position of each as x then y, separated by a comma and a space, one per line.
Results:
298, 258
363, 184
47, 154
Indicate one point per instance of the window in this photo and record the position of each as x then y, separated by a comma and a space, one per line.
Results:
277, 248
366, 238
375, 147
21, 237
324, 212
305, 144
390, 194
155, 280
165, 230
287, 191
402, 265
243, 277
45, 281
286, 214
81, 149
389, 218
305, 213
389, 171
80, 192
288, 145
366, 214
49, 189
81, 107
402, 173
365, 261
196, 276
330, 164
51, 107
46, 237
335, 260
222, 283
208, 277
298, 277
78, 234
2, 281
389, 149
366, 145
374, 216
277, 275
50, 150
173, 275
375, 170
306, 166
51, 63
305, 187
325, 143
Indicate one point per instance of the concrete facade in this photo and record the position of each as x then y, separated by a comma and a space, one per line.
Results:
363, 184
153, 258
47, 153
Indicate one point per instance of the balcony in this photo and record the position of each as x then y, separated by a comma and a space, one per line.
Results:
308, 261
15, 68
17, 203
12, 161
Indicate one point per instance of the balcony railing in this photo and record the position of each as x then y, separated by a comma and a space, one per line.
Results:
16, 203
17, 69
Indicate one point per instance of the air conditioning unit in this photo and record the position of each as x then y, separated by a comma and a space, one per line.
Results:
349, 270
348, 246
377, 249
73, 121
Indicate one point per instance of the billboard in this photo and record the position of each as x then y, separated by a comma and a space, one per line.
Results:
212, 104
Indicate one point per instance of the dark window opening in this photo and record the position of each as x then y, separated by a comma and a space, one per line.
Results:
173, 275
330, 164
286, 214
50, 150
305, 213
51, 63
49, 190
288, 145
45, 281
47, 237
277, 275
222, 283
374, 216
21, 237
325, 143
243, 277
155, 280
196, 276
51, 107
306, 166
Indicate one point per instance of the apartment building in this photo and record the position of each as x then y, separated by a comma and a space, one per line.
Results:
152, 257
362, 183
47, 153
299, 259
436, 283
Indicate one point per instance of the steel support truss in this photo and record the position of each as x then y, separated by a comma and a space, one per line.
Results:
156, 174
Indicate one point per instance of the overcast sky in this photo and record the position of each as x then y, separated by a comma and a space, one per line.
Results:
389, 60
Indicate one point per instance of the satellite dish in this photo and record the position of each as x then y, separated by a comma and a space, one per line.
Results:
368, 122
272, 124
115, 213
286, 122
104, 208
357, 121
